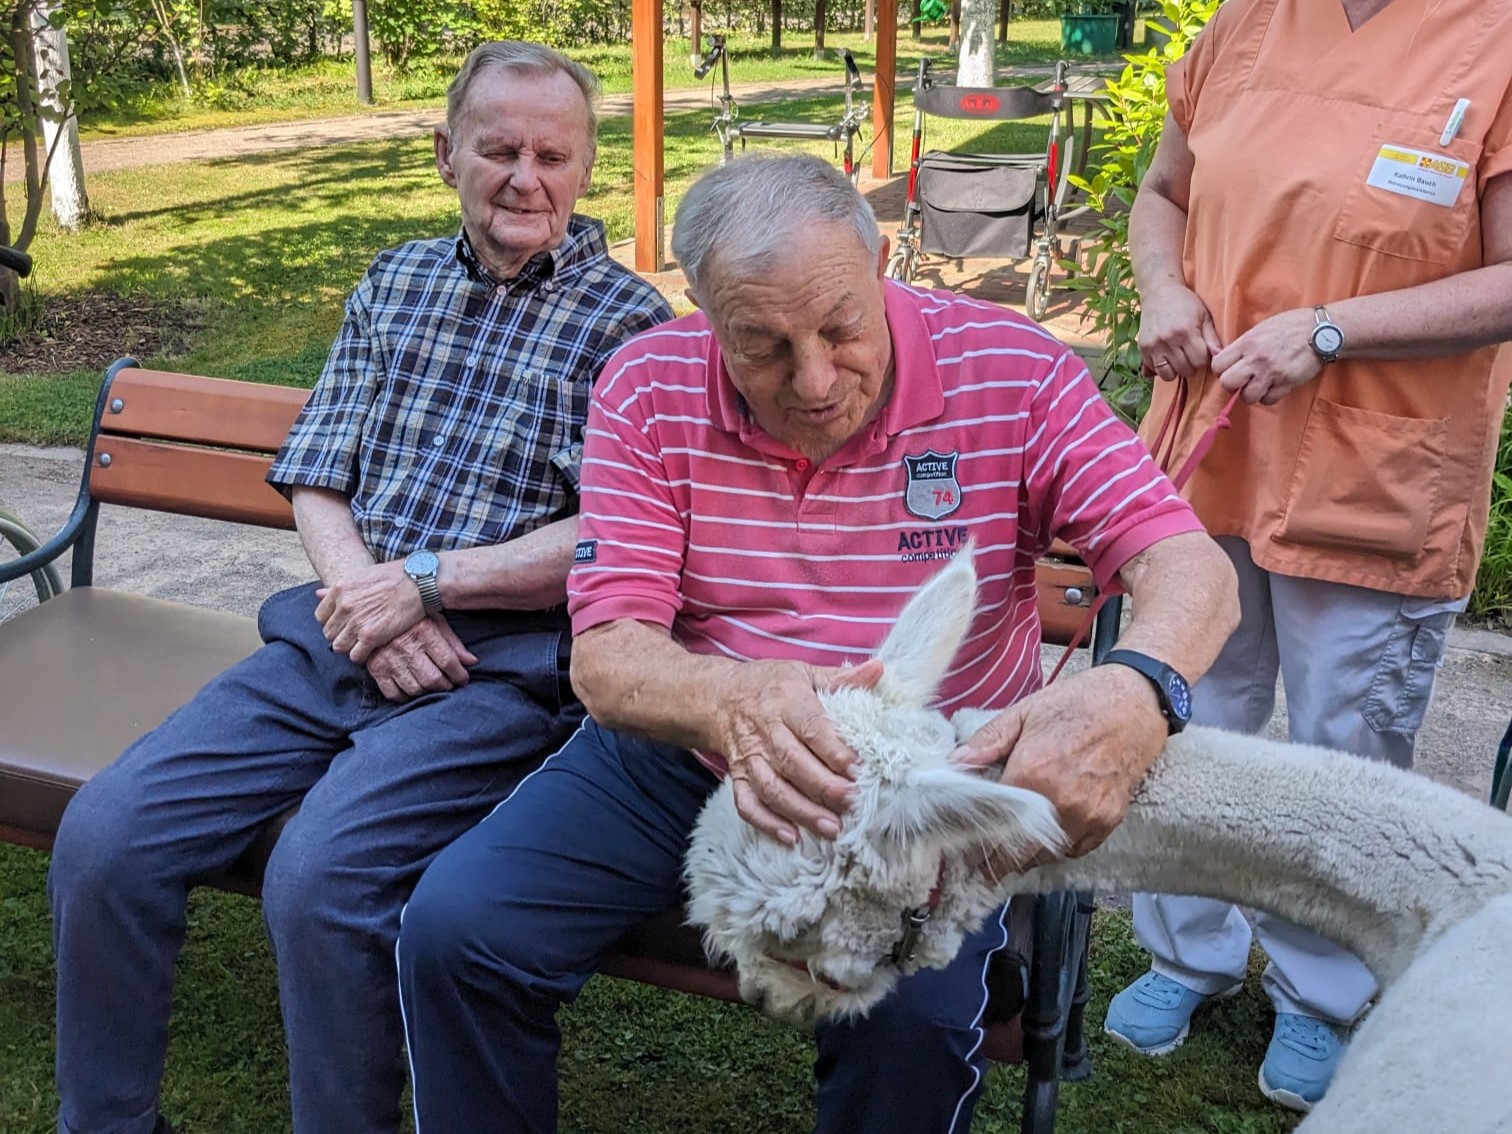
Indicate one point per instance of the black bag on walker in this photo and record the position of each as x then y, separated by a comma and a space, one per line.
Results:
973, 207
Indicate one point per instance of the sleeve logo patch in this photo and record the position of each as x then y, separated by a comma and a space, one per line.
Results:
586, 551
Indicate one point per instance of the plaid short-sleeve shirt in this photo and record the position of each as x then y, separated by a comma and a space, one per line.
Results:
451, 408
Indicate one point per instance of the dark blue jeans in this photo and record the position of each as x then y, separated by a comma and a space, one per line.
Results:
384, 787
510, 921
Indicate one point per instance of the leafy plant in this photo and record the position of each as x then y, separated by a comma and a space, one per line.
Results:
409, 29
22, 318
1492, 598
1135, 112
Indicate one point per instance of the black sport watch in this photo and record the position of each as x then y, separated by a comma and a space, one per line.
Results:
1172, 690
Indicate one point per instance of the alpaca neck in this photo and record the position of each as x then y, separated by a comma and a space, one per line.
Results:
1370, 857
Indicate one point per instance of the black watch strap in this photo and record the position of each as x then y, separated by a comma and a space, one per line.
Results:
1171, 689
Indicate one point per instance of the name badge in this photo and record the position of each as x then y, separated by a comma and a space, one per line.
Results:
1435, 178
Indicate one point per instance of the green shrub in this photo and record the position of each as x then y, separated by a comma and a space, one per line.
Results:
1136, 111
1492, 599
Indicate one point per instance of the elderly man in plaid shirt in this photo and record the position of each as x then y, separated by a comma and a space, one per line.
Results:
434, 478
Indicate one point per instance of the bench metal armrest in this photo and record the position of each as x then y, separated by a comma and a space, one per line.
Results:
79, 528
81, 519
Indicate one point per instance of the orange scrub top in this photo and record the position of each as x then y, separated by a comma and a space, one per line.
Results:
1376, 473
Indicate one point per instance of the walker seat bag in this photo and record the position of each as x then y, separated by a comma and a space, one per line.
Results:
977, 207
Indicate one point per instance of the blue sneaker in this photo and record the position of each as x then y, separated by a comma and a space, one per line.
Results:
1154, 1014
1303, 1055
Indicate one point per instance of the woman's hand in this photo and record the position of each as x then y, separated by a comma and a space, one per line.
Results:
1271, 359
1176, 333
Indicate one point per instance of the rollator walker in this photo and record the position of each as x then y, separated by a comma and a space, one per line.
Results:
1001, 206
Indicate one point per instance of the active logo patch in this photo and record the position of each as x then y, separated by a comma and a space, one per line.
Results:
933, 491
586, 551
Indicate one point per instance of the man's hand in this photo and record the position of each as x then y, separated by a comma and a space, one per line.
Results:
1271, 359
426, 658
788, 766
1176, 333
369, 608
1084, 743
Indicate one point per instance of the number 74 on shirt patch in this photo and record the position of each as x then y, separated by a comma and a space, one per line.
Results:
1435, 178
933, 491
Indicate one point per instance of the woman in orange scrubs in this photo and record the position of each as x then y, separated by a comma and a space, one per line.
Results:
1327, 226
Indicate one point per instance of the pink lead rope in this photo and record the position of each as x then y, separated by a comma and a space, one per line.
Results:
1199, 451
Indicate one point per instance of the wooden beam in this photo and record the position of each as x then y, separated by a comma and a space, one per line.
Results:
648, 174
882, 88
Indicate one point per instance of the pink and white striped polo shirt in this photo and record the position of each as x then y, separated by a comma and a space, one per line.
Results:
694, 519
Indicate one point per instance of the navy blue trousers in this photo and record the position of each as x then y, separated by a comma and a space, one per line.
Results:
509, 922
384, 787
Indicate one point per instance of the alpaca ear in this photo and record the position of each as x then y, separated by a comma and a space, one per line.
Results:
928, 634
961, 811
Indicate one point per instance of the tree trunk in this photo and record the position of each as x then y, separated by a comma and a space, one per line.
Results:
165, 23
33, 163
821, 13
64, 165
1005, 9
695, 30
869, 24
976, 62
776, 26
955, 25
917, 23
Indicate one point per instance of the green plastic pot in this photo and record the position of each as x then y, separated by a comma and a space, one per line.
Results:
1090, 34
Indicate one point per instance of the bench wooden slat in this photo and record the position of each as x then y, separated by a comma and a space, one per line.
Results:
213, 483
206, 411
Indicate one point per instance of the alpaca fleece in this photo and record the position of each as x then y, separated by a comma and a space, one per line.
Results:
1414, 877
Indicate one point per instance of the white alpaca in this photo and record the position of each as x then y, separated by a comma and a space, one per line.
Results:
1414, 877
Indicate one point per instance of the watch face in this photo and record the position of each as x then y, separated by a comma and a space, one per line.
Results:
421, 563
1328, 339
1179, 695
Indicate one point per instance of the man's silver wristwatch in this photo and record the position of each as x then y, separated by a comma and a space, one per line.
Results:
1327, 339
421, 566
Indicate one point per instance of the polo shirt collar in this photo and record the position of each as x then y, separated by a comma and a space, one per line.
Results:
583, 244
918, 393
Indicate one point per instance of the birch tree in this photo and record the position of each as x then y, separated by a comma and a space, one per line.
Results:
978, 21
64, 164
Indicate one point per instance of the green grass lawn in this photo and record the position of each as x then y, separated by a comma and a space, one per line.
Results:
635, 1060
328, 89
257, 253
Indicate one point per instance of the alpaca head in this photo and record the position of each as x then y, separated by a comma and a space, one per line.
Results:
826, 928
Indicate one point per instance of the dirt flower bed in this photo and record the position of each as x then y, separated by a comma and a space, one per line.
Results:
89, 330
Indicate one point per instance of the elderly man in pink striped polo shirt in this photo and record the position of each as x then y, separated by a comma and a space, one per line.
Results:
765, 482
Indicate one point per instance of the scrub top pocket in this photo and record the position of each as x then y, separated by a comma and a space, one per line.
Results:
1398, 224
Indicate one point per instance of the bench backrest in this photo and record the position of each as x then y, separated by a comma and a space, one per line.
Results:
191, 445
202, 446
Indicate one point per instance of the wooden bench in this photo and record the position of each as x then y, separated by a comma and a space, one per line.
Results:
89, 671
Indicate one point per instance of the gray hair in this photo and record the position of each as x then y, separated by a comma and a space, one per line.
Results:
523, 59
744, 214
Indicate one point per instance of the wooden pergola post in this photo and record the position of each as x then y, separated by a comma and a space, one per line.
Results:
883, 95
648, 171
